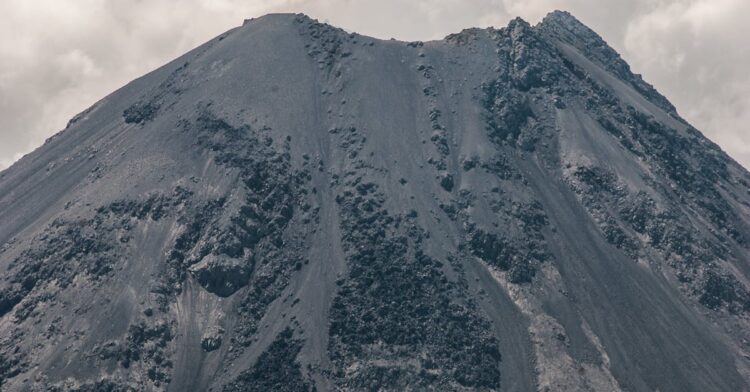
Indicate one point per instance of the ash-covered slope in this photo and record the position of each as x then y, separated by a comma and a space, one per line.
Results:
291, 206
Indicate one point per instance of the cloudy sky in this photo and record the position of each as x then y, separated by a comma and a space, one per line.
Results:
57, 57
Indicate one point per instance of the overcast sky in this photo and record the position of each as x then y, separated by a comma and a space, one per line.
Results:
57, 57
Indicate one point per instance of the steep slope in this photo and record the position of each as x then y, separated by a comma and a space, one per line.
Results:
290, 206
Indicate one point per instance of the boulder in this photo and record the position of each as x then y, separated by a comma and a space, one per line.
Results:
221, 274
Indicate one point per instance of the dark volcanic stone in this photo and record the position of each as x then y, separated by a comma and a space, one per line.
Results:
446, 181
276, 369
221, 274
140, 113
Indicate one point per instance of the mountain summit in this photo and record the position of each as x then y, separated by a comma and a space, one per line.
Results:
292, 207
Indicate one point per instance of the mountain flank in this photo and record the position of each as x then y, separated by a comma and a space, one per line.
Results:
293, 207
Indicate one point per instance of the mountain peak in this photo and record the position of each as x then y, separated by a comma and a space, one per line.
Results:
568, 27
562, 17
518, 22
279, 17
563, 27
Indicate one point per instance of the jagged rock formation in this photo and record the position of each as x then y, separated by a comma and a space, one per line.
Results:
293, 207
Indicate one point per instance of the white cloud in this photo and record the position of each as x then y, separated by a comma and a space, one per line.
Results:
696, 53
6, 162
57, 57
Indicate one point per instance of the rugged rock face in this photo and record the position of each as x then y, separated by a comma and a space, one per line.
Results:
293, 207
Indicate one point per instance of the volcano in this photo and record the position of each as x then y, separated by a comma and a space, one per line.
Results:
294, 207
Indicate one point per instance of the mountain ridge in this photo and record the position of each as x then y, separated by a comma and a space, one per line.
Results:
365, 214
